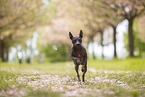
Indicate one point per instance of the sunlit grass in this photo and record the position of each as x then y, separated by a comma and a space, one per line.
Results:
68, 67
130, 64
34, 68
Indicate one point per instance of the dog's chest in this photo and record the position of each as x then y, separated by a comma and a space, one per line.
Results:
78, 53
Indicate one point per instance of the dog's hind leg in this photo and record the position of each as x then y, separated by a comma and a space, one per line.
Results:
84, 70
76, 68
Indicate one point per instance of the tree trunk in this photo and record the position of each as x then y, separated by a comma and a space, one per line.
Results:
101, 33
0, 49
131, 38
28, 60
93, 52
114, 42
6, 54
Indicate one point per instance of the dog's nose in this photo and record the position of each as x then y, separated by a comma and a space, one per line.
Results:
77, 44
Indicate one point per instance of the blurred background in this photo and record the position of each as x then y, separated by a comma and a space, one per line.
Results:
37, 30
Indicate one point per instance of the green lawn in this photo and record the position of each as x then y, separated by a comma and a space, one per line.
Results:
119, 65
114, 78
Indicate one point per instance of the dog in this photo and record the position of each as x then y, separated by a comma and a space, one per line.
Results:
78, 54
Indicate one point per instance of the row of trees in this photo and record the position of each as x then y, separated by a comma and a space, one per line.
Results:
18, 20
113, 12
54, 19
95, 17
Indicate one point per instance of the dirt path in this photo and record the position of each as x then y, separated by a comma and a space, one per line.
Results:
69, 86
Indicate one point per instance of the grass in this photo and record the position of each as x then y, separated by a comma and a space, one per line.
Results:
119, 65
9, 86
114, 78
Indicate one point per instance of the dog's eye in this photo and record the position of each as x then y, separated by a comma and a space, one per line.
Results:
74, 40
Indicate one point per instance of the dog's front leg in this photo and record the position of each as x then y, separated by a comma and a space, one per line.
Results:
77, 62
84, 68
76, 68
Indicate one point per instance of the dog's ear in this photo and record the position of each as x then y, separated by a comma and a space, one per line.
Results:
81, 34
70, 35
